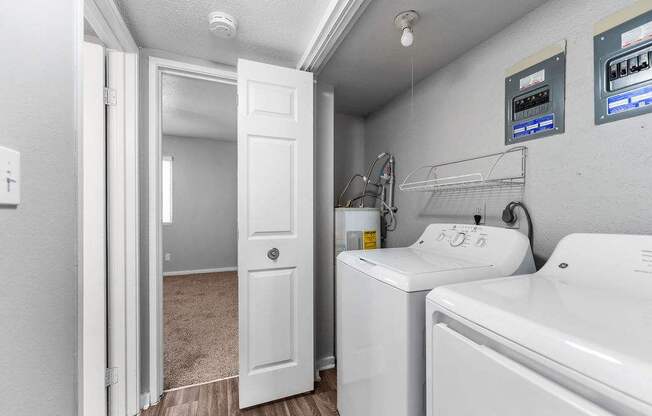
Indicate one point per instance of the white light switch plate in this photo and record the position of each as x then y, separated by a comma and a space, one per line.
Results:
9, 176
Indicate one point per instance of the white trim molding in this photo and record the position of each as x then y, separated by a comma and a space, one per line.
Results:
335, 25
132, 233
326, 363
121, 202
107, 22
321, 364
144, 401
200, 271
122, 211
157, 67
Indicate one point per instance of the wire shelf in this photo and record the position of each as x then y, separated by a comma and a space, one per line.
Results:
492, 176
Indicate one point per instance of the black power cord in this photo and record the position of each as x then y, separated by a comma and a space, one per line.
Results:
509, 217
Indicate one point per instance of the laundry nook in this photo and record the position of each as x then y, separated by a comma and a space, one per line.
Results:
326, 208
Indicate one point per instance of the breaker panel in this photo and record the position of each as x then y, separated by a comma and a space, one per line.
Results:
535, 96
622, 48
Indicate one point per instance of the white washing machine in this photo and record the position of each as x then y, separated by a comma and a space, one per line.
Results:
381, 310
573, 339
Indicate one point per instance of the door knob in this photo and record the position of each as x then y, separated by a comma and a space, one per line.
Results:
273, 253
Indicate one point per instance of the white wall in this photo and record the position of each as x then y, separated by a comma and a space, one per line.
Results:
38, 250
203, 232
349, 153
590, 179
324, 226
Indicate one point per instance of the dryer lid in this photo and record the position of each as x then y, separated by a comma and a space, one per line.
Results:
603, 334
589, 309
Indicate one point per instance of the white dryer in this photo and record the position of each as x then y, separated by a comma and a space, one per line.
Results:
381, 310
573, 339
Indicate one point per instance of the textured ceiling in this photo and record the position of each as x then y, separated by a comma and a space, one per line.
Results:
198, 108
272, 31
371, 67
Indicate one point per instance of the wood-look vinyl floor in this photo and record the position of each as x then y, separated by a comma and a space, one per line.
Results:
221, 399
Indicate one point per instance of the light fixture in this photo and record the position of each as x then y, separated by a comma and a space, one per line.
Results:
404, 22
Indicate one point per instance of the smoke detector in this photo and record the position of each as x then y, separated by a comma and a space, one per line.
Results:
223, 25
404, 22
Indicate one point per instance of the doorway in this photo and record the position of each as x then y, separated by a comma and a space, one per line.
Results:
275, 226
199, 230
187, 104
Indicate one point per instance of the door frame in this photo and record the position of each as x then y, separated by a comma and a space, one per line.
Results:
121, 177
158, 67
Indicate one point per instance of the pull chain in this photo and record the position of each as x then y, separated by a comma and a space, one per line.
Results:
412, 88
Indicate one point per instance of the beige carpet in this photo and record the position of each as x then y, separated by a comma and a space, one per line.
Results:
200, 328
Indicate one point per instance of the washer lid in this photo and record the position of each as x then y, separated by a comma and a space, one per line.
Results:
602, 333
412, 269
415, 261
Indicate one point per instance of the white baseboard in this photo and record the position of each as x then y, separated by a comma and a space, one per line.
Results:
325, 363
199, 271
144, 401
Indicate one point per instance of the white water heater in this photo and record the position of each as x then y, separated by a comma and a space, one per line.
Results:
356, 229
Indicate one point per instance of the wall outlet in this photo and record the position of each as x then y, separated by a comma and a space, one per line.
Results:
168, 256
481, 212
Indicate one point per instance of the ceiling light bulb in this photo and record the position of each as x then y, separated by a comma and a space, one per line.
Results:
404, 21
407, 38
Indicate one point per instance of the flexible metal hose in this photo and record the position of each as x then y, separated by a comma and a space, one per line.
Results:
366, 178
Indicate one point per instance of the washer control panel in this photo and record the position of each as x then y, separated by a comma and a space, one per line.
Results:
499, 247
462, 236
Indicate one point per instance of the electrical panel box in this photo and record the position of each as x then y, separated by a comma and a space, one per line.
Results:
622, 48
535, 96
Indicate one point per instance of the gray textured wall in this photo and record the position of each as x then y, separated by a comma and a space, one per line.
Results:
590, 179
38, 250
203, 233
324, 226
349, 152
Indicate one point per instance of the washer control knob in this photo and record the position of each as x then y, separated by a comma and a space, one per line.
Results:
482, 241
458, 239
441, 236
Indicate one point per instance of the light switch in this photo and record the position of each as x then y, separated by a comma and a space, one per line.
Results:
9, 176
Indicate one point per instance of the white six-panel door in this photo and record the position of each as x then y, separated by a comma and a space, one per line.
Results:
275, 232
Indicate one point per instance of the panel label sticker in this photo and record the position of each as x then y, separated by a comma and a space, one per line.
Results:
630, 100
369, 240
534, 79
535, 126
636, 35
